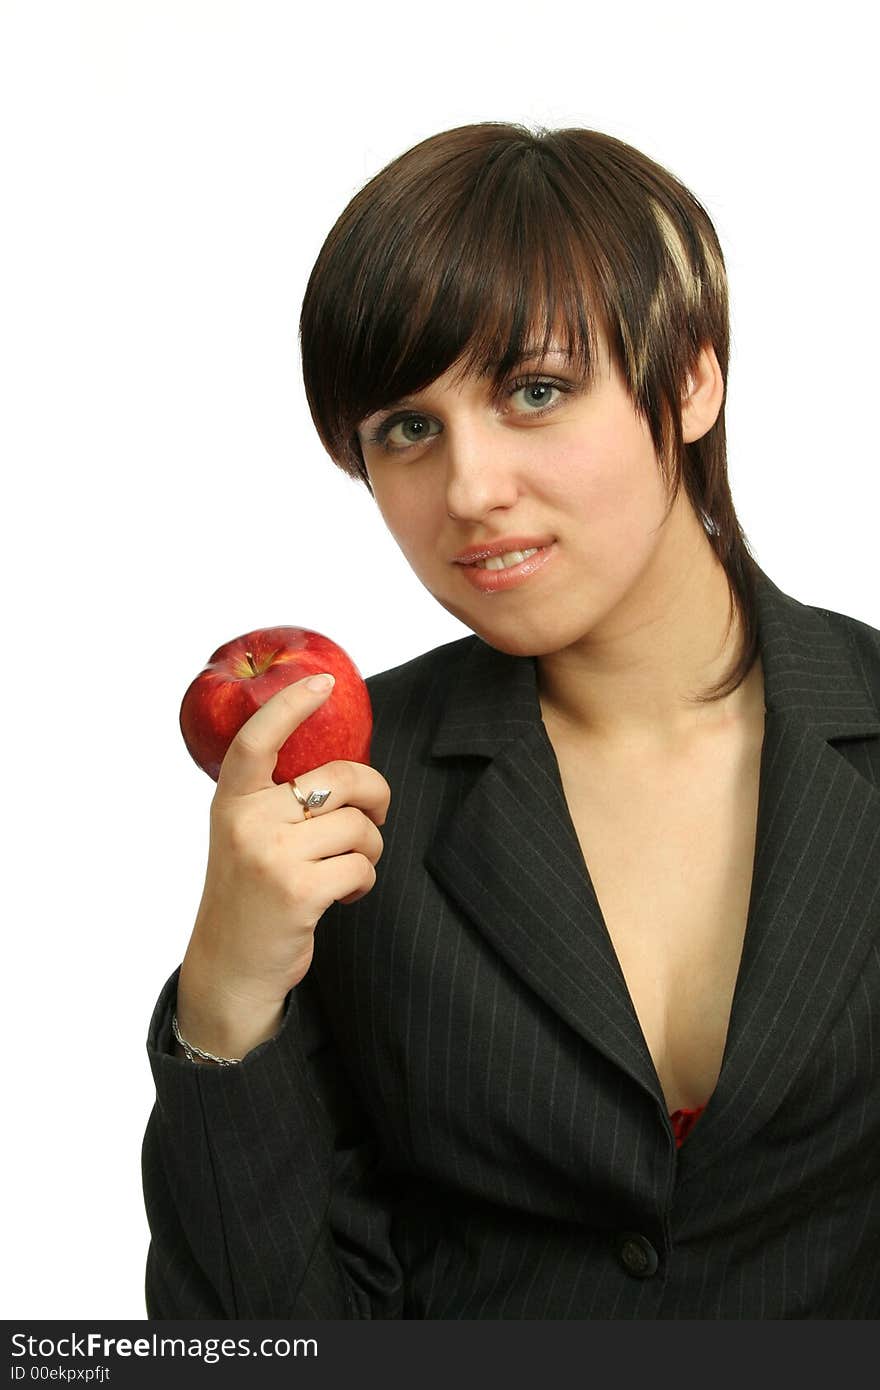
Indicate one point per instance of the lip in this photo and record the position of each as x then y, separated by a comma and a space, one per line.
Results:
507, 543
494, 581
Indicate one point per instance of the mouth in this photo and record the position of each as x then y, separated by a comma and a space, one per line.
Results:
505, 561
516, 546
494, 573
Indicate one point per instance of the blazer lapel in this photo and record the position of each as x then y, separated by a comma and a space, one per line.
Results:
510, 858
815, 899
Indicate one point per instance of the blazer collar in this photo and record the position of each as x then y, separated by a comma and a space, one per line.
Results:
510, 857
809, 675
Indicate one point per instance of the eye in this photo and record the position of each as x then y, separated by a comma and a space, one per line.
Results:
414, 428
540, 395
536, 392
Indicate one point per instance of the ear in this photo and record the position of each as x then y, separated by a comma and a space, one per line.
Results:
704, 393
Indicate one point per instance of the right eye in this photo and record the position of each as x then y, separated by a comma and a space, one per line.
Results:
415, 428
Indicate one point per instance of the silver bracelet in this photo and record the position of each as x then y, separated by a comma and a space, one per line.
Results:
190, 1048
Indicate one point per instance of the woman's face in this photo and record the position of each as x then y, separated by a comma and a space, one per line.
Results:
550, 463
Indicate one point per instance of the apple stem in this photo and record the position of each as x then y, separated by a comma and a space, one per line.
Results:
250, 662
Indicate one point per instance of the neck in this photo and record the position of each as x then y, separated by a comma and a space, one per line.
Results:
631, 681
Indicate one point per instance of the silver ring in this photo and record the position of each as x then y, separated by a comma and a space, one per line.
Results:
314, 799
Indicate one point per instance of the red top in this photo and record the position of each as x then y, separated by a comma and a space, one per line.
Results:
683, 1122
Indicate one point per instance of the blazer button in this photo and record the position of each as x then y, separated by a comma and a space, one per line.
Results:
637, 1255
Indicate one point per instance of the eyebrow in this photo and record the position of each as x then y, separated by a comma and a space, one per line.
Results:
531, 352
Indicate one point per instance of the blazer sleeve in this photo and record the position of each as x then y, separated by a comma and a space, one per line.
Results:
266, 1194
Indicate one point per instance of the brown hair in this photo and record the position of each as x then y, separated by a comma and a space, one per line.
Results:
461, 246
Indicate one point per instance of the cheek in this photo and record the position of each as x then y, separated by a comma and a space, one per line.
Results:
614, 485
413, 528
391, 507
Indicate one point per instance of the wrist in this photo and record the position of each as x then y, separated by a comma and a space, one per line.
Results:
220, 1019
193, 1053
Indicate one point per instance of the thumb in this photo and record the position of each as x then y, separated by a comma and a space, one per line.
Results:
251, 757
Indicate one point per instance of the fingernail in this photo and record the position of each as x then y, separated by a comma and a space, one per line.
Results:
323, 682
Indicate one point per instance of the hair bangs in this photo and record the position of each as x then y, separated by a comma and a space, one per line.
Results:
487, 275
518, 286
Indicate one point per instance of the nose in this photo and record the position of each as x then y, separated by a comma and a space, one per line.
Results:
480, 469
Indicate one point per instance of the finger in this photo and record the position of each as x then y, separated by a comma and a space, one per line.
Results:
344, 832
251, 756
349, 784
347, 878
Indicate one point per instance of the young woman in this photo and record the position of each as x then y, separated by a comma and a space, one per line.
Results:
598, 1036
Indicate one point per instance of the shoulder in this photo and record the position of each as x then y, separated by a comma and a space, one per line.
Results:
414, 691
818, 662
420, 672
863, 644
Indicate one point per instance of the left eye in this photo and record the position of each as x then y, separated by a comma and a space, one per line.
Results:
536, 393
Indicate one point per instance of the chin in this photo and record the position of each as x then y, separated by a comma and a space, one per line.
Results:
512, 642
520, 644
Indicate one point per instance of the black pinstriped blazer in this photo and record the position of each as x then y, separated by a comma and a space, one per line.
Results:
460, 1118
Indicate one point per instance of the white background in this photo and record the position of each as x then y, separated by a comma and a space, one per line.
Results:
169, 171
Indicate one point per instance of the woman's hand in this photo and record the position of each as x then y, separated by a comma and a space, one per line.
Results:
271, 875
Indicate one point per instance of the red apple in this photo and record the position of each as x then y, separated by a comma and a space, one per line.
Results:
244, 673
